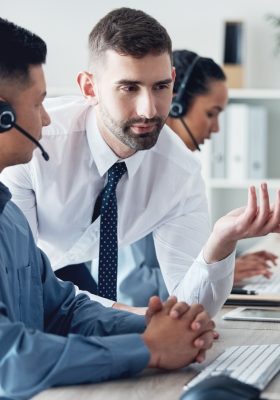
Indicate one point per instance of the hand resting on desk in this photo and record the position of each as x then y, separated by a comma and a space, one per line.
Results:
252, 264
178, 334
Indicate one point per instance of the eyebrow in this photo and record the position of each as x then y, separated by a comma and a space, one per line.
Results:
131, 82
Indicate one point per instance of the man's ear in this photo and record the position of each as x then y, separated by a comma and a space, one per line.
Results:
85, 81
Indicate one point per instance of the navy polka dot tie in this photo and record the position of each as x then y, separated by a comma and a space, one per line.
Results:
108, 248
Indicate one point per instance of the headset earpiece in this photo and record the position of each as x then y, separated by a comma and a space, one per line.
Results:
7, 117
178, 106
8, 121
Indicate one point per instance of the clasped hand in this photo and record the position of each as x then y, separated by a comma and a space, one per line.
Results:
177, 334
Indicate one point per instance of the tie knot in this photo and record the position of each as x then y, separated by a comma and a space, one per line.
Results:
116, 172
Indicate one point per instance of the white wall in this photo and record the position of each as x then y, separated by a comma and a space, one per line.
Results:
196, 24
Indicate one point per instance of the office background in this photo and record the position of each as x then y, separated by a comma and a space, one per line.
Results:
197, 25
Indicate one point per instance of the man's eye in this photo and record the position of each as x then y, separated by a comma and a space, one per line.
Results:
129, 88
162, 86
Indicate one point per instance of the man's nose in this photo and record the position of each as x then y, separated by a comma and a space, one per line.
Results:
45, 117
146, 105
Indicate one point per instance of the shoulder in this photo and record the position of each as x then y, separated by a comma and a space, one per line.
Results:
67, 114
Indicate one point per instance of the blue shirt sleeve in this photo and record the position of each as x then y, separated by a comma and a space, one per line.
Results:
82, 341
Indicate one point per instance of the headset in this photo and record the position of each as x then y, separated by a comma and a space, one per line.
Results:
178, 105
8, 121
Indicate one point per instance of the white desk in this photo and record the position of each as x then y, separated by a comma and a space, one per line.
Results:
155, 385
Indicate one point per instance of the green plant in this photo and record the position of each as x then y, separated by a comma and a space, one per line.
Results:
275, 22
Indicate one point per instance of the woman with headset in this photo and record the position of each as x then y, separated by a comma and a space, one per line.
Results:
200, 95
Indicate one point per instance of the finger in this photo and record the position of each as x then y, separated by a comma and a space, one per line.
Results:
178, 310
275, 216
252, 206
252, 264
264, 209
202, 322
154, 306
250, 212
257, 266
266, 255
204, 341
200, 356
216, 335
248, 274
168, 304
191, 315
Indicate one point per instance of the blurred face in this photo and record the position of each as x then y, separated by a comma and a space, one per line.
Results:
132, 98
30, 115
203, 116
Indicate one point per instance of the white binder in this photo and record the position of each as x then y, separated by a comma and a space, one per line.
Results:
237, 126
218, 150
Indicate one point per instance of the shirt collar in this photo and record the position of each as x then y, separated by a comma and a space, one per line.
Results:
103, 155
5, 196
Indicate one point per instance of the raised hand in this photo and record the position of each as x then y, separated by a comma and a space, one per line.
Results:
244, 222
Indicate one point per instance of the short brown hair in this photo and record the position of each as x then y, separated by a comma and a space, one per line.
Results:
129, 32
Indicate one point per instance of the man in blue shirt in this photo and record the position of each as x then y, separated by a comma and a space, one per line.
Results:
49, 335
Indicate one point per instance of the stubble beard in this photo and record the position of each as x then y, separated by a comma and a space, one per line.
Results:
123, 132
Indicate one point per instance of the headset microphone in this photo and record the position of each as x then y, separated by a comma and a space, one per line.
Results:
196, 145
178, 106
8, 121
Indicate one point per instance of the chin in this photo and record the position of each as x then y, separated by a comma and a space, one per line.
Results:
27, 158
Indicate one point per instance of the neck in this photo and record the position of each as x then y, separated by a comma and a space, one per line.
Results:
180, 127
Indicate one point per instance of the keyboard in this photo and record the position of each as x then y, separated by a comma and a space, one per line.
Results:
263, 285
255, 365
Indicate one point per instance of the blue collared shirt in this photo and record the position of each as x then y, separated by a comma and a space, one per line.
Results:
48, 335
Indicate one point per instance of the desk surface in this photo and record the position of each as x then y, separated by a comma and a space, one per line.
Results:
154, 384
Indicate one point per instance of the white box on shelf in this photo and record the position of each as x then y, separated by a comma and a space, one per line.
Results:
257, 142
237, 126
218, 150
247, 141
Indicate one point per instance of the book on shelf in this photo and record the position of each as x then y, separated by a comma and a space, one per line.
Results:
246, 127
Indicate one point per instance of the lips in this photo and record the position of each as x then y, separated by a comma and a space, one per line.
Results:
143, 128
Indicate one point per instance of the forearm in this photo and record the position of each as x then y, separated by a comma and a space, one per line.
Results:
66, 312
94, 319
39, 360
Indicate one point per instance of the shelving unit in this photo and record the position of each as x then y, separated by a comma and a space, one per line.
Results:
226, 194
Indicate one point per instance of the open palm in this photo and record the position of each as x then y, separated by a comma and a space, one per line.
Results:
252, 220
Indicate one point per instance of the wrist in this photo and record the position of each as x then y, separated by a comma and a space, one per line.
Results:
217, 249
154, 358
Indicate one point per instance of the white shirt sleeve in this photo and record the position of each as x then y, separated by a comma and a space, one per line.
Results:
179, 243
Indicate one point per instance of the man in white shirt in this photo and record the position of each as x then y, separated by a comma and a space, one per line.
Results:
130, 85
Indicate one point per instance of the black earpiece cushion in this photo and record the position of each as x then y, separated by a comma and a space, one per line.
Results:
7, 117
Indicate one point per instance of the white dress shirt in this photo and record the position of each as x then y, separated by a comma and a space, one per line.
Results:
162, 192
